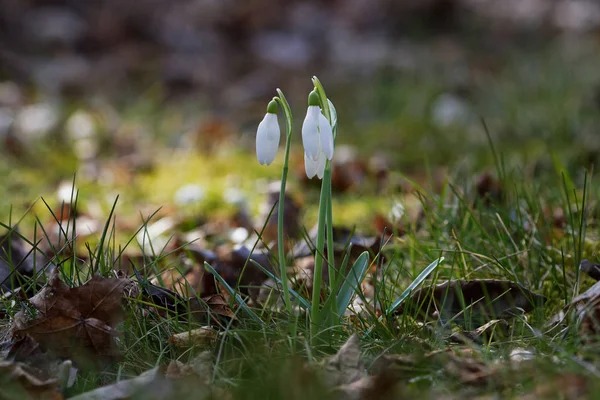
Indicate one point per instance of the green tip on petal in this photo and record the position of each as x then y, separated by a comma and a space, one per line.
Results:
313, 98
272, 107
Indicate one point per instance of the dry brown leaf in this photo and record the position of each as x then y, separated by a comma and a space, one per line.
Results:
593, 270
149, 385
200, 368
472, 302
200, 337
346, 366
178, 380
489, 189
495, 329
202, 309
567, 386
587, 310
346, 374
76, 323
18, 380
468, 370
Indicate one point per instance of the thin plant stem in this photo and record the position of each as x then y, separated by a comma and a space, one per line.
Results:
330, 246
325, 226
318, 271
280, 238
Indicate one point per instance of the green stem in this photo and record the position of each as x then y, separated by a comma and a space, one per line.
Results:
326, 205
330, 246
318, 271
280, 237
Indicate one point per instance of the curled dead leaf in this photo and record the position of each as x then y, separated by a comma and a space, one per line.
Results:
200, 336
346, 366
18, 380
77, 323
495, 329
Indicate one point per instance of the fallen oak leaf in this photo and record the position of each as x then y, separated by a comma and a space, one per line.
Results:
76, 323
212, 304
18, 380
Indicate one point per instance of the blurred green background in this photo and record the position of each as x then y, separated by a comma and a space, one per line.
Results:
141, 98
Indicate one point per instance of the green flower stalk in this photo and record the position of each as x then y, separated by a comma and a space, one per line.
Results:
318, 141
267, 143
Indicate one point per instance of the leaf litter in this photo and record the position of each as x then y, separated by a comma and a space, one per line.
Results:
76, 323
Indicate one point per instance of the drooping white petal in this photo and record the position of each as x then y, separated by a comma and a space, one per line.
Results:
267, 139
310, 166
310, 132
326, 136
321, 165
315, 167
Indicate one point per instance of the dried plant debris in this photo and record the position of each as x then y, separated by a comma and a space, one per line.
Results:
493, 330
341, 238
472, 302
45, 364
177, 380
587, 312
148, 385
200, 336
470, 370
345, 371
205, 309
567, 386
19, 381
77, 323
346, 365
592, 269
489, 189
347, 377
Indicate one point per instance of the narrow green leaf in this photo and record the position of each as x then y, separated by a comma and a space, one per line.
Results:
418, 280
352, 282
233, 293
330, 305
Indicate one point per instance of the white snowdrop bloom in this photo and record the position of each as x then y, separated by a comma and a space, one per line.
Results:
315, 167
317, 135
268, 135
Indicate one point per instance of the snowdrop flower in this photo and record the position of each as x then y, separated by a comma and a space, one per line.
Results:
315, 167
267, 135
317, 138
